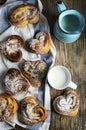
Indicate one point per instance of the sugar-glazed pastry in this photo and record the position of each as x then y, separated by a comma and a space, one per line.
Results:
67, 104
11, 48
14, 83
39, 45
34, 71
8, 107
30, 112
24, 14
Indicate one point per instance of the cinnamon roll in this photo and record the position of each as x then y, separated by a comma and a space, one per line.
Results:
11, 48
24, 14
30, 112
34, 71
14, 83
67, 104
8, 107
40, 44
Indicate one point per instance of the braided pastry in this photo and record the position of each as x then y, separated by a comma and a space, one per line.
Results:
67, 104
24, 14
14, 83
8, 107
30, 112
11, 48
34, 71
39, 45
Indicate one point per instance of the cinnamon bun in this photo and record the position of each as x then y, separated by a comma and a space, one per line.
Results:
67, 104
8, 107
34, 71
40, 44
14, 83
30, 112
24, 14
11, 48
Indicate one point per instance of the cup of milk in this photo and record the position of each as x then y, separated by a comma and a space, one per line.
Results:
59, 77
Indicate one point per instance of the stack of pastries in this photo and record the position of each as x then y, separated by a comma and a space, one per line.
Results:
14, 83
17, 81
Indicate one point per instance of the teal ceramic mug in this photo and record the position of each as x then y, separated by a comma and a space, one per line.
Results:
69, 24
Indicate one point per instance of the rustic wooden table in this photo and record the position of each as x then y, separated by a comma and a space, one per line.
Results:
73, 56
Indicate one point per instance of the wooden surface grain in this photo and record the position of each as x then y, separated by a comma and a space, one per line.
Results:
73, 56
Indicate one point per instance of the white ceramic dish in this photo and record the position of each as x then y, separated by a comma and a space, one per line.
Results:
59, 78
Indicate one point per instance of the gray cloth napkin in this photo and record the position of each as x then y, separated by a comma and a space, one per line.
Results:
6, 29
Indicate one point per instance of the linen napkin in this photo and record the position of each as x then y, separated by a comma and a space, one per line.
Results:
43, 92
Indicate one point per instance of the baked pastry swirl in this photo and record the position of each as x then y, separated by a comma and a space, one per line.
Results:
34, 71
8, 107
40, 44
30, 112
24, 14
11, 48
14, 83
67, 104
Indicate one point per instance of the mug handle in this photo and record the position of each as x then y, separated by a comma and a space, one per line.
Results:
60, 6
72, 85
